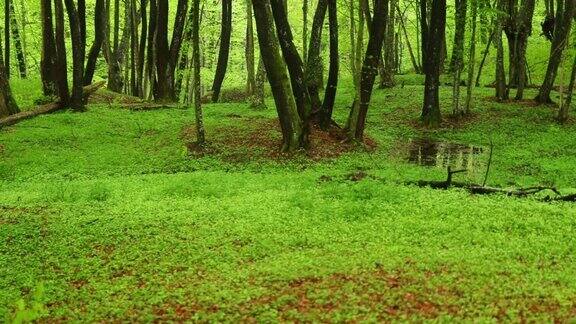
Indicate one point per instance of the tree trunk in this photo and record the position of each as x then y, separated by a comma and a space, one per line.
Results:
200, 132
415, 65
432, 37
389, 62
564, 14
7, 37
293, 62
48, 62
471, 59
78, 53
501, 88
224, 53
457, 62
325, 117
99, 34
16, 36
290, 122
8, 105
564, 112
250, 61
61, 62
314, 69
357, 118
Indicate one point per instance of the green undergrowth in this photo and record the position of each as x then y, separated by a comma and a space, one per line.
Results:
109, 216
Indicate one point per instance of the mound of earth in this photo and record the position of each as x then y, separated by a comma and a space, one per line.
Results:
253, 138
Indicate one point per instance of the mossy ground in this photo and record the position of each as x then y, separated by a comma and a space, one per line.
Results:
109, 213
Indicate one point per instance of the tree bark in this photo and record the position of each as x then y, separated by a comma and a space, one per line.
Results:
17, 38
48, 61
224, 53
314, 65
99, 34
432, 39
8, 105
357, 118
250, 61
564, 14
457, 62
290, 122
61, 62
325, 117
78, 53
200, 132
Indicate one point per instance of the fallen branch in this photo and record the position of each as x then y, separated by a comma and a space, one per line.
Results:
45, 109
484, 190
149, 106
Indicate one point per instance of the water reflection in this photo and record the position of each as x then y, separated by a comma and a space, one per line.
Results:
432, 153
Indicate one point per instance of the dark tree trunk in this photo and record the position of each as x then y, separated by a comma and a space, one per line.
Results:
332, 85
7, 37
290, 123
224, 53
457, 62
16, 36
61, 62
48, 63
518, 27
99, 34
564, 112
78, 53
250, 61
200, 132
389, 62
314, 69
433, 34
357, 119
564, 14
8, 105
500, 86
293, 62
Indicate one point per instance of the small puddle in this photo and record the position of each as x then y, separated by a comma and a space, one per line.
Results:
441, 154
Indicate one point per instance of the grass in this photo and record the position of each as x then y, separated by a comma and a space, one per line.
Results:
105, 216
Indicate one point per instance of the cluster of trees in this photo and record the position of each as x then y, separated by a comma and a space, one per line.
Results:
147, 57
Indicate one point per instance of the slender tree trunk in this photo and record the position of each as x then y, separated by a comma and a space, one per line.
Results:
224, 53
433, 34
250, 61
415, 66
99, 34
293, 61
8, 105
257, 101
7, 37
389, 62
501, 88
332, 85
61, 62
305, 30
564, 14
457, 62
48, 62
290, 122
357, 118
200, 132
314, 68
471, 59
17, 38
78, 53
485, 55
564, 112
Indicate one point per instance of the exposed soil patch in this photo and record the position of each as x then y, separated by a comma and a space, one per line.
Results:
253, 138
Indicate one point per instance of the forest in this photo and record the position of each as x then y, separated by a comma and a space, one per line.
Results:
287, 161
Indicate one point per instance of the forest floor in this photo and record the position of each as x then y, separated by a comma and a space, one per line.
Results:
106, 215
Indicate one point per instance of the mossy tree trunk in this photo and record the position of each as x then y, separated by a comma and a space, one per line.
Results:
325, 116
564, 14
357, 119
78, 54
457, 62
433, 35
224, 52
290, 122
8, 105
314, 67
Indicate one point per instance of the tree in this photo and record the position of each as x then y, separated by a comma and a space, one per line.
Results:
471, 59
357, 119
17, 38
200, 132
502, 93
167, 54
290, 122
389, 62
78, 54
518, 27
61, 61
325, 116
250, 61
457, 62
48, 62
565, 10
223, 55
99, 35
433, 22
563, 113
314, 64
8, 105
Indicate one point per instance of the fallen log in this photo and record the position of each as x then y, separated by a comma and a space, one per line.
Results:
45, 109
476, 189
